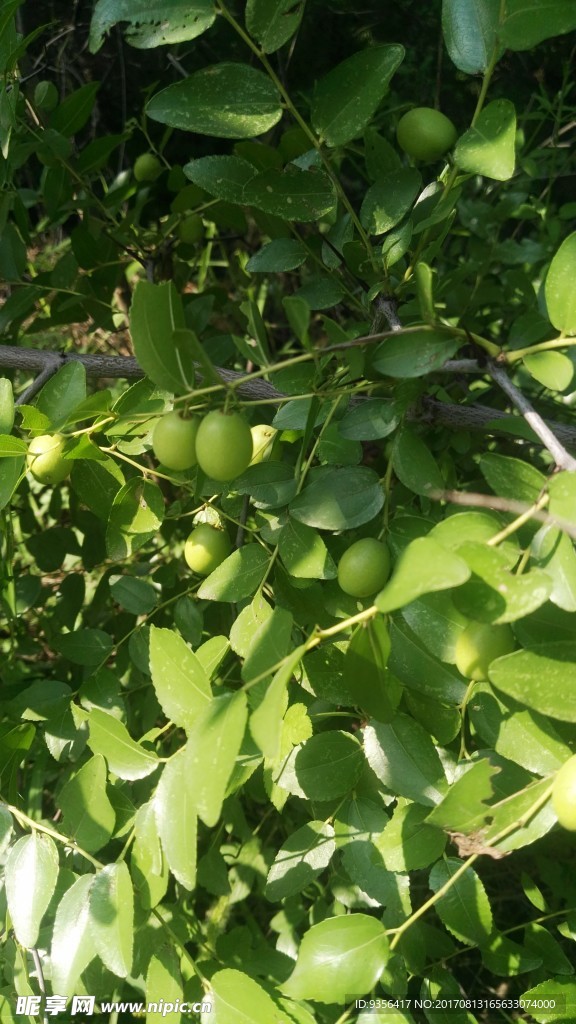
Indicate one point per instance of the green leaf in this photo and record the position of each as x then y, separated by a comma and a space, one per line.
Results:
424, 566
306, 853
89, 817
464, 909
238, 576
414, 464
211, 752
72, 942
97, 484
221, 176
31, 873
269, 645
535, 679
469, 30
404, 758
339, 959
552, 1001
12, 447
339, 499
414, 354
148, 865
348, 96
365, 670
273, 22
10, 478
523, 736
408, 842
527, 22
163, 982
73, 112
421, 670
436, 622
558, 289
389, 199
489, 147
126, 758
111, 903
553, 369
369, 421
133, 594
294, 194
181, 684
328, 765
503, 956
62, 393
238, 999
266, 720
554, 552
304, 553
228, 101
278, 256
174, 805
467, 798
156, 312
494, 594
85, 646
135, 517
151, 24
512, 478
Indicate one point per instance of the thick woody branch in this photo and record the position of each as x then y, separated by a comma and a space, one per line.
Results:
430, 410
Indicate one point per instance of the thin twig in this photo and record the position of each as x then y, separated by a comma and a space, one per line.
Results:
498, 504
39, 381
40, 977
562, 458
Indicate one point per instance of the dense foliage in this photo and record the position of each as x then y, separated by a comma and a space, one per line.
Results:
282, 714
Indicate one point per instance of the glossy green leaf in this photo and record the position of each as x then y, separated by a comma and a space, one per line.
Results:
347, 97
294, 194
148, 865
304, 553
328, 765
228, 101
515, 819
541, 943
111, 905
560, 297
339, 499
126, 758
436, 622
278, 256
388, 200
370, 420
134, 595
62, 393
174, 805
221, 176
181, 684
238, 576
365, 670
273, 22
306, 853
404, 758
156, 312
31, 873
535, 678
211, 752
523, 736
339, 959
151, 24
552, 1001
266, 720
562, 490
85, 646
512, 478
527, 22
12, 469
97, 484
89, 817
466, 798
469, 28
420, 669
269, 645
494, 594
238, 999
408, 842
507, 958
414, 354
414, 464
464, 909
424, 566
489, 147
553, 552
135, 516
552, 369
72, 942
248, 623
163, 982
74, 111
